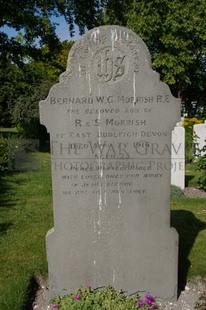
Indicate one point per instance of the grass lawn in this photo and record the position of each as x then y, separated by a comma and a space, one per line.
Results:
188, 216
26, 216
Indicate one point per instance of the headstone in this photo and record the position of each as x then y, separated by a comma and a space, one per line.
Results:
178, 156
199, 134
110, 121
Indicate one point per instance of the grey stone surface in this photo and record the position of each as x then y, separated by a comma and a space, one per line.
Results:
178, 157
110, 121
199, 134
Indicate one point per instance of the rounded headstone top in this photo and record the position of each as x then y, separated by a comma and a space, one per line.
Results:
110, 67
111, 52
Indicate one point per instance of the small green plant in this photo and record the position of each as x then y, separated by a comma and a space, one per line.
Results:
176, 192
201, 166
101, 299
188, 125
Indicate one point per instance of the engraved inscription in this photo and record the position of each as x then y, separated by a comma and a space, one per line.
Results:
109, 65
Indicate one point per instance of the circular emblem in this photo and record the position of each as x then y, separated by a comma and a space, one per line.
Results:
109, 64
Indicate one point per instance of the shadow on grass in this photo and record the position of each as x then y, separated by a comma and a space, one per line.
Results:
7, 201
6, 195
4, 227
31, 293
188, 228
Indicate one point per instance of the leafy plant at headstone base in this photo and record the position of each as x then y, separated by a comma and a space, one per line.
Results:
188, 125
98, 299
201, 166
176, 192
4, 157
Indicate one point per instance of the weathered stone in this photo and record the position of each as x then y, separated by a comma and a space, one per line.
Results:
199, 134
178, 157
110, 121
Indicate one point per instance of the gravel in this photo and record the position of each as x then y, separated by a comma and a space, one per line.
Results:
194, 192
187, 298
